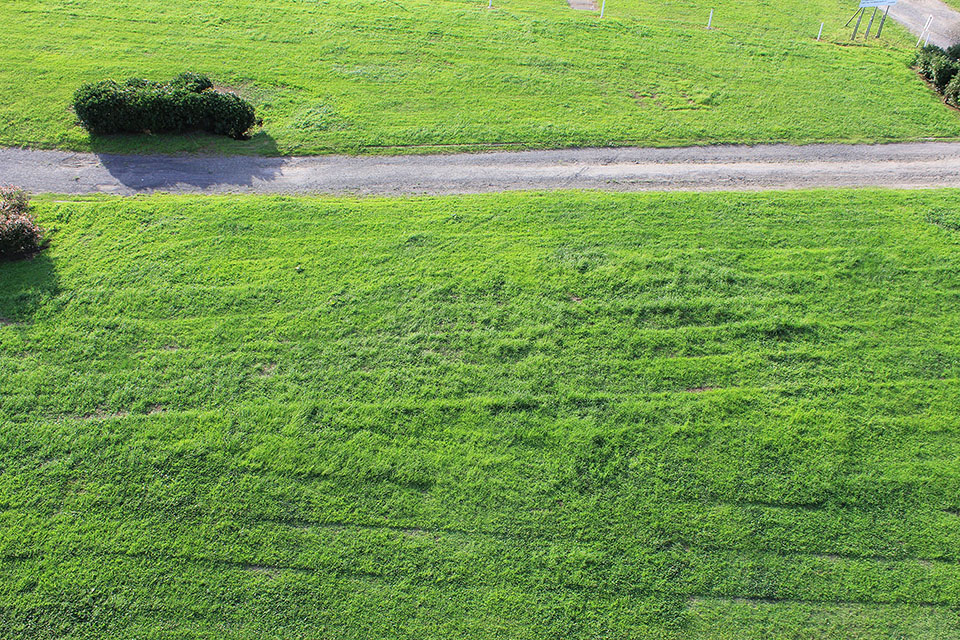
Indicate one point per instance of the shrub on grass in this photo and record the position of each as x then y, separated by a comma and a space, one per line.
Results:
944, 69
925, 59
13, 201
186, 103
951, 95
193, 82
19, 233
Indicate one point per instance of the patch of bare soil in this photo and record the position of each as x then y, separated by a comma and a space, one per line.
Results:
267, 370
99, 414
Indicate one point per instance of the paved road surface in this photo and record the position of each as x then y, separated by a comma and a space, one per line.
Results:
913, 14
763, 167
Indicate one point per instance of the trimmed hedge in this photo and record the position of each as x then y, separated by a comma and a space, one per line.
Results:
19, 233
186, 103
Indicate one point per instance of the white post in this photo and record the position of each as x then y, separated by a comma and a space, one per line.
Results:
603, 6
925, 27
490, 6
927, 41
820, 33
710, 19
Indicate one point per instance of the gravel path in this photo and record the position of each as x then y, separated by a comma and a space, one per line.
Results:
763, 167
913, 14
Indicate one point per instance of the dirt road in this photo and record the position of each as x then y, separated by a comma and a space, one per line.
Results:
764, 167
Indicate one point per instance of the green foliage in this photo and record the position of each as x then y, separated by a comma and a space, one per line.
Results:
417, 75
940, 68
184, 104
193, 82
925, 59
952, 92
13, 201
942, 72
524, 416
19, 233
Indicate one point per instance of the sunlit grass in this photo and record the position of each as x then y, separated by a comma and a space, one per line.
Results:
575, 415
411, 75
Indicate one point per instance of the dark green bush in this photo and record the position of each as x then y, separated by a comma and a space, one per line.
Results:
186, 103
951, 94
19, 233
944, 69
193, 82
926, 56
953, 52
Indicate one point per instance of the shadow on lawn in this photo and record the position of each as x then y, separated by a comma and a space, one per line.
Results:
25, 285
201, 172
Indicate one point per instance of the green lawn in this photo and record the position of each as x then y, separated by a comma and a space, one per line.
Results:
578, 415
411, 75
953, 3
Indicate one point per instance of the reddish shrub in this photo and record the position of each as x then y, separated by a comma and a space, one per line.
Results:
19, 233
13, 200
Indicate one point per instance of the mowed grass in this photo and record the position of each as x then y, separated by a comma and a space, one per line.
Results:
577, 415
391, 76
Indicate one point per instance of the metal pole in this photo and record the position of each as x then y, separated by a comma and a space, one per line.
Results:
490, 6
872, 16
602, 7
852, 17
820, 33
927, 24
857, 28
882, 21
710, 19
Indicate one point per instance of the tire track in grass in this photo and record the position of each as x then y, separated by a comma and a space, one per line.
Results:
706, 597
618, 589
546, 401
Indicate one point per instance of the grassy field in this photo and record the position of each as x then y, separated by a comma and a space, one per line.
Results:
410, 75
577, 415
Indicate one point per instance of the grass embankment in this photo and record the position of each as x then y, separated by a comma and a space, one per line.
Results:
511, 416
411, 75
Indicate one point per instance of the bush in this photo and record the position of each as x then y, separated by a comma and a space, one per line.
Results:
926, 56
944, 69
951, 95
19, 233
186, 103
13, 201
193, 82
953, 52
